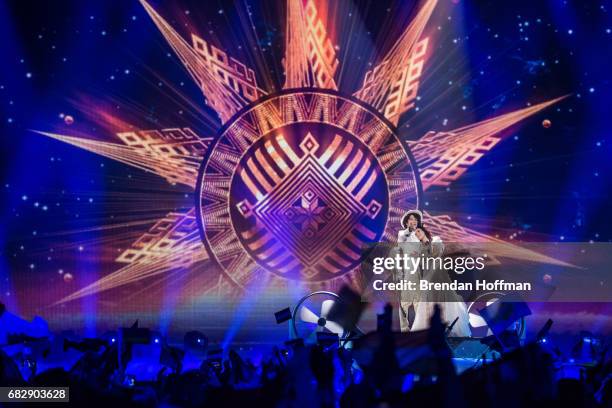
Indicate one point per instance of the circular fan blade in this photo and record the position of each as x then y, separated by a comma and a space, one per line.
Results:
334, 327
308, 315
326, 307
477, 320
493, 307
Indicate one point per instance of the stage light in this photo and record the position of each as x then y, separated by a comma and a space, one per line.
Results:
195, 340
283, 315
586, 348
129, 381
541, 336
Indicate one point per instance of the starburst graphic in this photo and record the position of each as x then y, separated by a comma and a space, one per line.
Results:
296, 181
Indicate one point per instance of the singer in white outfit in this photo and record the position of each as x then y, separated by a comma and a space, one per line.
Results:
451, 304
416, 240
407, 242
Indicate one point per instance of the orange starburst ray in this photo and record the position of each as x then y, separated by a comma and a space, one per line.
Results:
392, 85
310, 57
172, 243
451, 231
137, 271
227, 84
442, 157
174, 154
230, 71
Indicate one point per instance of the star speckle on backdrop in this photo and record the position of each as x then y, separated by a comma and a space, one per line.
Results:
64, 210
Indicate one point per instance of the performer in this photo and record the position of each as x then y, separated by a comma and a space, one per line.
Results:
416, 307
451, 304
406, 244
410, 221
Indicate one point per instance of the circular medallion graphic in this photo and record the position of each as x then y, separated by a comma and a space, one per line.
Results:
298, 184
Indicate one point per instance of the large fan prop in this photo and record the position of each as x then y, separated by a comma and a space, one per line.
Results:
478, 325
310, 316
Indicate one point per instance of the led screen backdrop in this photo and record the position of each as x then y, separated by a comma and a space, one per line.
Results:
206, 164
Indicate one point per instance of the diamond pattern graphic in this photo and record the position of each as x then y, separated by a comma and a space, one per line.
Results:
309, 211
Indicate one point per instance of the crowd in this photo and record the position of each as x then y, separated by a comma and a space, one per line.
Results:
327, 376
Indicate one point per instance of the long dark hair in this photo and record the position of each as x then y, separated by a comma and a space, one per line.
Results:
412, 214
425, 230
